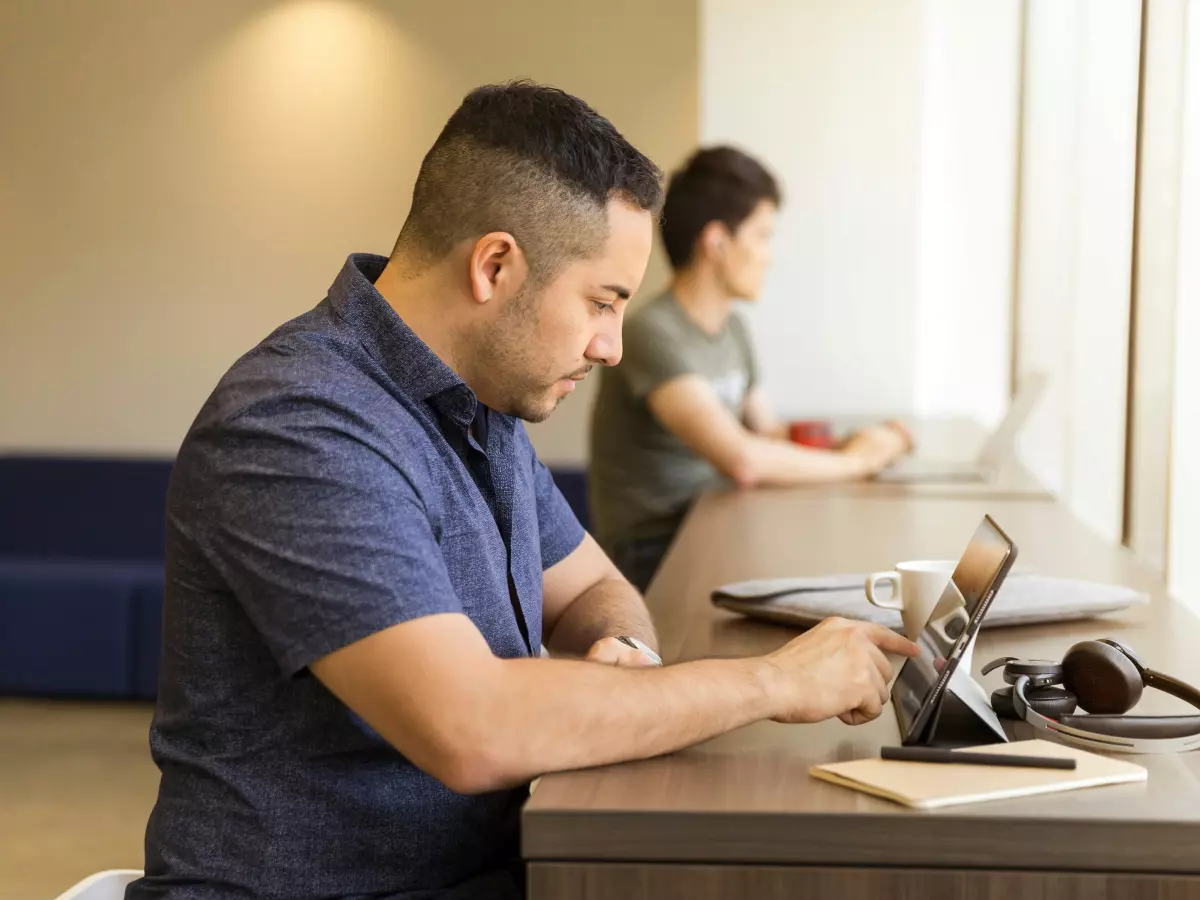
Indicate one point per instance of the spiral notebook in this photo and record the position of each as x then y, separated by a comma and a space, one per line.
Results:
934, 785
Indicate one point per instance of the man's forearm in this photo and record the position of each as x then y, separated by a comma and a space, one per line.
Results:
433, 688
568, 714
772, 463
609, 608
777, 432
767, 427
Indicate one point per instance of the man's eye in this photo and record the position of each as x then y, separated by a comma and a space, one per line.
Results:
602, 306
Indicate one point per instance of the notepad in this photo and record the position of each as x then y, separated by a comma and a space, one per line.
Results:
934, 785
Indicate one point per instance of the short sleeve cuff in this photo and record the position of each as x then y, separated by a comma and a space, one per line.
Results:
561, 541
305, 651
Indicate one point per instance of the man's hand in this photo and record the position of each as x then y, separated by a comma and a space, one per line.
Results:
904, 432
837, 669
878, 446
613, 652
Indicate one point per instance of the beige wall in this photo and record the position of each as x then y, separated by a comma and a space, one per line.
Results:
178, 178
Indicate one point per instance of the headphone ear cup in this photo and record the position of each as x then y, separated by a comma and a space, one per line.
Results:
1049, 701
1052, 701
1103, 678
1002, 703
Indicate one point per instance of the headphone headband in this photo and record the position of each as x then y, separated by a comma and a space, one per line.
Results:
1040, 672
1173, 686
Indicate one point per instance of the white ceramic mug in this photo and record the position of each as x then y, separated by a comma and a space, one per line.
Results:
917, 587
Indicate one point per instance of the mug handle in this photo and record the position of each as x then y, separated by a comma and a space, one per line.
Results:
895, 601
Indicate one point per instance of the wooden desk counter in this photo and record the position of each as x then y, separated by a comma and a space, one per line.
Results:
740, 816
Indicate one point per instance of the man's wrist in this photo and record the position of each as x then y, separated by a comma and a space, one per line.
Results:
860, 461
765, 677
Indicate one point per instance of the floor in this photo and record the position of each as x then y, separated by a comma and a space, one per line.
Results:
76, 786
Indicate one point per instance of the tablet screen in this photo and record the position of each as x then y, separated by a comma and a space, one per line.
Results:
957, 614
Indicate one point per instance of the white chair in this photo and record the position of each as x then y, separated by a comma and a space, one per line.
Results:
108, 885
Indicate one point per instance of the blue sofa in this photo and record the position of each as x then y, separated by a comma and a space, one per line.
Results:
81, 573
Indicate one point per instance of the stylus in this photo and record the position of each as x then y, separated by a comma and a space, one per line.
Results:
944, 755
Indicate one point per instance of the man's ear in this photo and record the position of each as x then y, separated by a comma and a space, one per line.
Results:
714, 237
496, 267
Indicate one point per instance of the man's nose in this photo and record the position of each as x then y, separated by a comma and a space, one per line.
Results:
605, 347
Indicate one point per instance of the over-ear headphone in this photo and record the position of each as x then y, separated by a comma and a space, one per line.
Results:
1105, 678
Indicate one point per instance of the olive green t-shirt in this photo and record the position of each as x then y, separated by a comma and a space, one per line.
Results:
641, 478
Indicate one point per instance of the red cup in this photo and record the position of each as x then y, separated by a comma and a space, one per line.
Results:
812, 433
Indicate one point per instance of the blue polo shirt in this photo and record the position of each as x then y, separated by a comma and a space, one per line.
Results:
331, 488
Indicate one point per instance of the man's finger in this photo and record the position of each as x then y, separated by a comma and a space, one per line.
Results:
882, 688
640, 659
881, 662
607, 652
871, 707
611, 652
904, 432
857, 717
890, 641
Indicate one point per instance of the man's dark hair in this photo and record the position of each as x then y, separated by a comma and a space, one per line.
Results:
533, 161
718, 184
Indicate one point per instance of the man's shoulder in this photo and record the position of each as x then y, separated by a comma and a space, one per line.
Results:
739, 328
312, 374
304, 407
657, 326
737, 323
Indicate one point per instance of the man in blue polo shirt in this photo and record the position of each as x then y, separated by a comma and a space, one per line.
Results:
365, 555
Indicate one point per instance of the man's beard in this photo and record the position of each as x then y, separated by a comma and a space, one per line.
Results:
506, 354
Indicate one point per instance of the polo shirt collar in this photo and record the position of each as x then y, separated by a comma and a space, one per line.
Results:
414, 368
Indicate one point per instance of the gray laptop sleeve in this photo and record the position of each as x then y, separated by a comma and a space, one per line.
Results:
1023, 599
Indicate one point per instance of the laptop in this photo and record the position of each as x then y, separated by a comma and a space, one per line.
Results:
998, 450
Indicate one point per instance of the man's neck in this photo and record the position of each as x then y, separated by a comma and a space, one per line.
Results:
420, 301
703, 298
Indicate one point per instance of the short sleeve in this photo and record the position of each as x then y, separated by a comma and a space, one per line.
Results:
322, 540
558, 528
651, 357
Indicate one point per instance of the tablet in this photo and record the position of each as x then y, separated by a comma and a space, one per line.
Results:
954, 621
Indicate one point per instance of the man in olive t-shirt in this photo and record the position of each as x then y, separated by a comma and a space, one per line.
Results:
649, 476
682, 412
